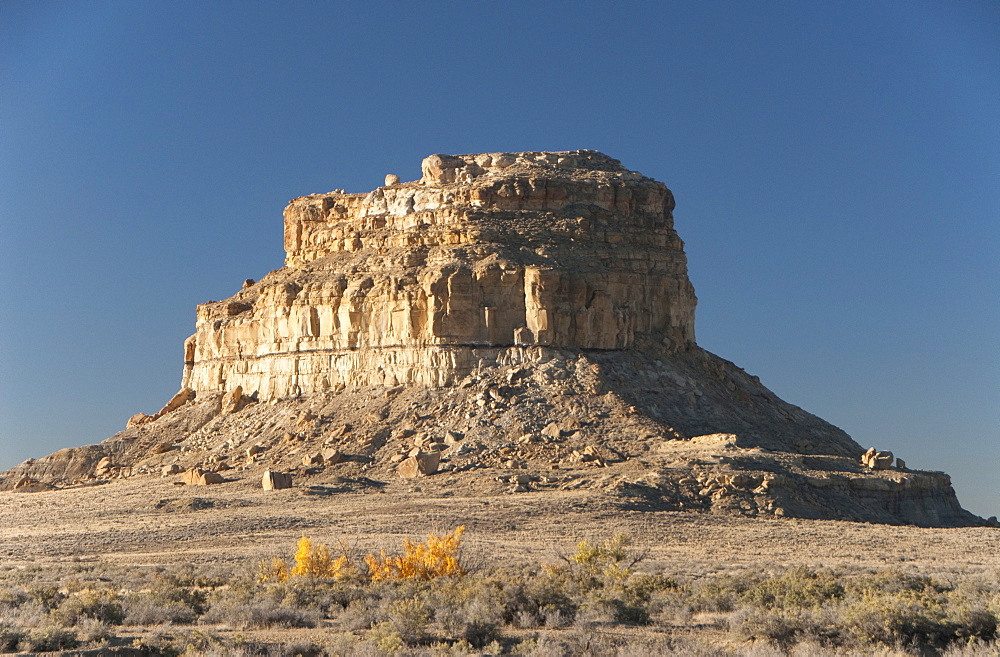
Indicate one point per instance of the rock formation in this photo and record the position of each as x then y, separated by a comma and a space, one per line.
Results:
485, 259
526, 315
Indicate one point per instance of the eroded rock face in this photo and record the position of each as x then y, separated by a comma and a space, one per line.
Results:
510, 323
483, 260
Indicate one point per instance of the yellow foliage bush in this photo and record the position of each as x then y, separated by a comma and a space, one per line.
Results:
437, 557
611, 558
275, 570
310, 561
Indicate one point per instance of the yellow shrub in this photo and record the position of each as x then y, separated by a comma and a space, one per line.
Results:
310, 561
275, 570
437, 557
610, 558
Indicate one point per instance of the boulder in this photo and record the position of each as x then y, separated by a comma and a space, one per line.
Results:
276, 480
138, 420
420, 464
552, 430
391, 179
183, 396
876, 460
441, 169
199, 477
169, 470
745, 480
883, 461
306, 421
103, 467
591, 453
331, 455
29, 485
233, 401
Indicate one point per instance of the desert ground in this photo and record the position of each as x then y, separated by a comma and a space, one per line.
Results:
152, 521
123, 530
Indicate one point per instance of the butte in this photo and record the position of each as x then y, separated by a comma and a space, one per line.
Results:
511, 323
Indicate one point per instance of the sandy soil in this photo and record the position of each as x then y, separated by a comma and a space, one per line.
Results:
151, 521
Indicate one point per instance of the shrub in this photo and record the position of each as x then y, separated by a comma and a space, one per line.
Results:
357, 615
917, 610
10, 637
601, 585
316, 561
540, 599
169, 601
13, 596
147, 610
799, 588
409, 618
99, 604
437, 557
28, 614
275, 570
311, 560
262, 613
469, 608
188, 642
610, 558
480, 633
49, 639
782, 626
92, 632
386, 637
48, 596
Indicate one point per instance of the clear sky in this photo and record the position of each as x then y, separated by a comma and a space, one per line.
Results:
836, 168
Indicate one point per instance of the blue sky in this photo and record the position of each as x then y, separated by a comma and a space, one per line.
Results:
836, 168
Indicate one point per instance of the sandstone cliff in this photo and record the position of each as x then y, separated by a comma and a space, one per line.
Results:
484, 258
525, 318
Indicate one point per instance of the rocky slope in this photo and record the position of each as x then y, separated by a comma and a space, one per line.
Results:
510, 323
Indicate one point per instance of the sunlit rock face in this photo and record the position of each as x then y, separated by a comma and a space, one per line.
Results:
487, 259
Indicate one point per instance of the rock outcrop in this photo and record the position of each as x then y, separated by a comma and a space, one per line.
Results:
183, 396
876, 460
485, 259
522, 322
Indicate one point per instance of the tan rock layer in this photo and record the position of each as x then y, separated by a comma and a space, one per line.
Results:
409, 283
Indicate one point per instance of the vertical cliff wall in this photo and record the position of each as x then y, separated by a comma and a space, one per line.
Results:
482, 260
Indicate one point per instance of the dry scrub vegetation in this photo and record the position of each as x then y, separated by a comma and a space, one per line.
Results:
598, 600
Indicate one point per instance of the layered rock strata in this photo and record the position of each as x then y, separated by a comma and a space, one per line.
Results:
481, 261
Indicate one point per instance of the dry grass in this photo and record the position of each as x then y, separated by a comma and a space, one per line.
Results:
103, 566
596, 601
